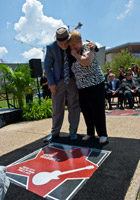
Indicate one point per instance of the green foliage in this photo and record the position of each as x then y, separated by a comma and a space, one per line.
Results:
37, 110
107, 65
138, 61
17, 80
123, 58
3, 104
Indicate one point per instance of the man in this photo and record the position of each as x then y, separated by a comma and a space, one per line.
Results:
29, 94
121, 73
131, 88
44, 84
106, 74
113, 90
130, 70
61, 81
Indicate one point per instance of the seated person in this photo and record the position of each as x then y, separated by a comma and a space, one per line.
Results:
130, 88
110, 71
138, 79
113, 90
139, 71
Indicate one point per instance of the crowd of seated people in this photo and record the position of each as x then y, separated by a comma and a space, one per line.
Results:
126, 86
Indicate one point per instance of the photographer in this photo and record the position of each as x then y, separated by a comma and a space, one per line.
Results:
121, 75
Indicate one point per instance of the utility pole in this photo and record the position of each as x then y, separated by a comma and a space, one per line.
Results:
77, 27
43, 49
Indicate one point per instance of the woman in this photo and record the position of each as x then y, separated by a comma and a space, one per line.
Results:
135, 72
90, 83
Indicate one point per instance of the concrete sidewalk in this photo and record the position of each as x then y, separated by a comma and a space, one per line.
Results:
16, 135
20, 134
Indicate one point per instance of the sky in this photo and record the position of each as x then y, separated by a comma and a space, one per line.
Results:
27, 26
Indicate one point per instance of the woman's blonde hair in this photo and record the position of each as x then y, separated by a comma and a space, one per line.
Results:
75, 37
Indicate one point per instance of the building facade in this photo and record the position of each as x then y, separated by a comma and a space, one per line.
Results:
133, 48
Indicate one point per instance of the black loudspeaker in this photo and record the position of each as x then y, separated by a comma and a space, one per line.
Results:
36, 68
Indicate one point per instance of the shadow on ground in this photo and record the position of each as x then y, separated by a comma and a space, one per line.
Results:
109, 182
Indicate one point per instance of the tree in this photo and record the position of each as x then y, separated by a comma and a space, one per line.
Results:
18, 80
123, 58
137, 61
107, 65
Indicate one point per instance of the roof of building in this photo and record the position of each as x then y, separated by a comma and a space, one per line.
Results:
135, 47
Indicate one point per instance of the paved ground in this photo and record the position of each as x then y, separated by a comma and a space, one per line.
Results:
18, 135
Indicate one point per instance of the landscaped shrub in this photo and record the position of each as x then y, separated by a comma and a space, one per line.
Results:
37, 110
17, 81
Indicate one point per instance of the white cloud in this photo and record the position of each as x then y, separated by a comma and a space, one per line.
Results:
3, 52
108, 47
128, 8
98, 45
35, 27
33, 53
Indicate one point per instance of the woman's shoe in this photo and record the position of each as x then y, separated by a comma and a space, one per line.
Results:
103, 139
87, 137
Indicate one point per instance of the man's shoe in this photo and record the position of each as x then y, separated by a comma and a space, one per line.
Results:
73, 136
50, 137
103, 139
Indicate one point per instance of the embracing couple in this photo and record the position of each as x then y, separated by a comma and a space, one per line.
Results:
73, 73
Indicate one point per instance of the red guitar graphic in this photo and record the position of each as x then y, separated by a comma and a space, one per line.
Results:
44, 177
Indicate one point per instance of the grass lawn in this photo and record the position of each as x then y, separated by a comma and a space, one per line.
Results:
3, 104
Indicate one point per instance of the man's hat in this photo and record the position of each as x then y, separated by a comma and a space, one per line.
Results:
62, 34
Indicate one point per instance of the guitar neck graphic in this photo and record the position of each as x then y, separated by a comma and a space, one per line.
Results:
44, 177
